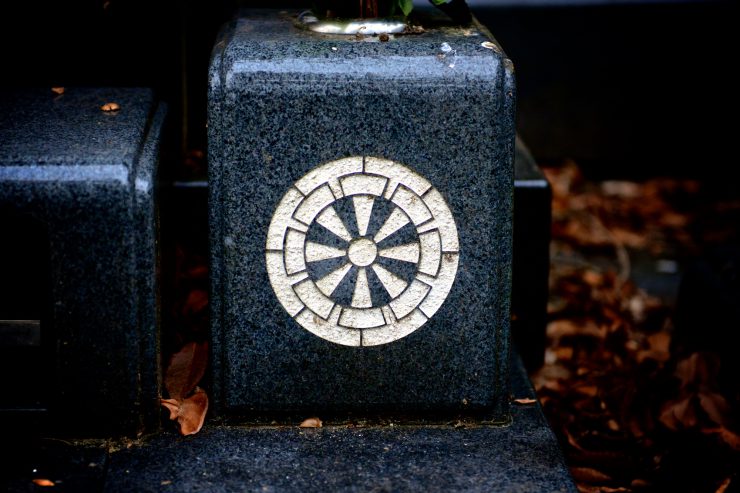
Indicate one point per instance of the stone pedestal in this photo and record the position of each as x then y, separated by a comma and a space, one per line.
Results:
79, 328
361, 205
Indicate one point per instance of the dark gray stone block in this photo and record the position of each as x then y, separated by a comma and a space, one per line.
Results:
424, 124
80, 183
521, 457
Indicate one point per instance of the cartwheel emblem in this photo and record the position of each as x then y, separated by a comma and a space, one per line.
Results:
362, 251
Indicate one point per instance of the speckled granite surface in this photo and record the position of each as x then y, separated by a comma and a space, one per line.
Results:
282, 102
521, 457
88, 179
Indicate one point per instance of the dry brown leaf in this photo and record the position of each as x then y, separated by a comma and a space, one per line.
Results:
589, 390
589, 475
587, 488
43, 482
639, 483
525, 401
679, 414
563, 328
197, 302
730, 438
197, 272
572, 440
629, 238
192, 412
673, 219
109, 107
593, 278
186, 369
564, 353
660, 341
622, 189
57, 90
172, 405
311, 423
699, 368
715, 406
725, 484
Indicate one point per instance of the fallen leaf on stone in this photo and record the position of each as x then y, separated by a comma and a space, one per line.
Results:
186, 369
525, 401
43, 482
172, 405
57, 90
193, 412
184, 372
109, 107
190, 412
311, 423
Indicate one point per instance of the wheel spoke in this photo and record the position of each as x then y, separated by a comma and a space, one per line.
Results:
329, 282
331, 221
405, 253
396, 220
391, 282
361, 297
363, 209
317, 251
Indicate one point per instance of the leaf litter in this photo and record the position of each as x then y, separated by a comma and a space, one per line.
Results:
631, 412
188, 403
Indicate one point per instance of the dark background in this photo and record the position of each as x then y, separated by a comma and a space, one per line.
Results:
628, 89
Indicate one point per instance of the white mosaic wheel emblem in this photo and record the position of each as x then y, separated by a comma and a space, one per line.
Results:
367, 260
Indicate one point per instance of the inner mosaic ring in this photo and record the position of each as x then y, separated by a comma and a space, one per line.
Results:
434, 252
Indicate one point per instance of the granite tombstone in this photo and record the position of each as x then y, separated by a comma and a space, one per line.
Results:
360, 208
78, 310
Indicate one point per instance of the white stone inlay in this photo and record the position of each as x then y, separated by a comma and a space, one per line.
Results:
329, 282
317, 251
361, 297
397, 220
363, 210
429, 246
362, 252
391, 282
404, 253
331, 221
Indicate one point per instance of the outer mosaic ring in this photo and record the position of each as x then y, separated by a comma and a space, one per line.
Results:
363, 179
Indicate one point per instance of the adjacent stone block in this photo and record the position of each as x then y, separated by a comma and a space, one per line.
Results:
78, 217
361, 209
531, 268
